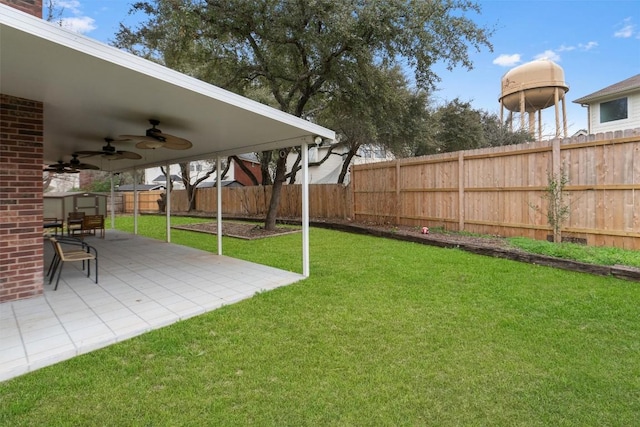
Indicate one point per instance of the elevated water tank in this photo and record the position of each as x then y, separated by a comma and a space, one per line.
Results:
532, 87
537, 81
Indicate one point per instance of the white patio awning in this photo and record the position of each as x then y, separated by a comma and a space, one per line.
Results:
93, 91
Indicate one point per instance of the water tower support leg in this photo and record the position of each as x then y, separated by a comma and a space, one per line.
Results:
564, 114
522, 110
555, 104
532, 123
539, 125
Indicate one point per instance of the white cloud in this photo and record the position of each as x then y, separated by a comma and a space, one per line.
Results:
79, 24
588, 45
548, 54
564, 48
68, 14
505, 60
71, 5
627, 29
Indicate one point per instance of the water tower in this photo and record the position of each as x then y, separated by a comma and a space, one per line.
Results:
530, 88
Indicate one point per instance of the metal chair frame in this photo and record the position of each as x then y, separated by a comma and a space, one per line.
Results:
85, 253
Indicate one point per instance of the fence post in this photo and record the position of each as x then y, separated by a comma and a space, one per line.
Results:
398, 204
461, 190
352, 183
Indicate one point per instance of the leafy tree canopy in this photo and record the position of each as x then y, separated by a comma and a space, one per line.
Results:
458, 126
303, 53
302, 49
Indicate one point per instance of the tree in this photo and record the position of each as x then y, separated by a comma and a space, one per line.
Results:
380, 110
498, 134
303, 52
185, 175
100, 181
54, 12
458, 126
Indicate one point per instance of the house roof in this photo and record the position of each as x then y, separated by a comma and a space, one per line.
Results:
92, 91
162, 178
140, 187
629, 85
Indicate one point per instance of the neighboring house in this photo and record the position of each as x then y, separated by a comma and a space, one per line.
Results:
328, 172
199, 168
176, 181
63, 182
616, 107
139, 187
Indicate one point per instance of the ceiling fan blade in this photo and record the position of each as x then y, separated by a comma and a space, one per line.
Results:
171, 142
130, 155
155, 138
63, 170
89, 153
176, 143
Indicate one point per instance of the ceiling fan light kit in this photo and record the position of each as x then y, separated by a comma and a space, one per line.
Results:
109, 152
155, 138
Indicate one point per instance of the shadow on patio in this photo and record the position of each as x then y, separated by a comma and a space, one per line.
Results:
144, 284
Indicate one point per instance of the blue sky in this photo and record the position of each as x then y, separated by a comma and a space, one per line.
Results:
596, 42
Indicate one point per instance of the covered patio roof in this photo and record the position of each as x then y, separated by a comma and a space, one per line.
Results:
93, 91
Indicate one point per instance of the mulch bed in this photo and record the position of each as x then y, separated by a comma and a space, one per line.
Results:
238, 230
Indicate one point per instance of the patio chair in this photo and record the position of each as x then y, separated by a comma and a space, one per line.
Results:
74, 222
81, 252
91, 224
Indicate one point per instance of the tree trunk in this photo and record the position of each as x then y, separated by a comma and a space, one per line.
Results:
244, 168
276, 191
265, 160
345, 166
295, 168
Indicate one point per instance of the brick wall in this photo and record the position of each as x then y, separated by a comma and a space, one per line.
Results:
33, 7
21, 206
242, 177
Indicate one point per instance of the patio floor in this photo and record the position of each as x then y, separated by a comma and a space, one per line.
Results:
144, 284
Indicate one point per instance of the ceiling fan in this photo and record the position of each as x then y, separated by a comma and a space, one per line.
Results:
109, 152
61, 167
155, 138
73, 166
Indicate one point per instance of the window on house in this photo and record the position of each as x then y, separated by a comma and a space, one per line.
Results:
613, 110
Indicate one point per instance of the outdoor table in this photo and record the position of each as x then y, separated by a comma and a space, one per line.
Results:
53, 223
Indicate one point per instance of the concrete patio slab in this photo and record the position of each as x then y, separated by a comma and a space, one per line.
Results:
144, 284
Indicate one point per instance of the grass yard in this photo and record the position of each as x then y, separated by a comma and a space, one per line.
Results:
382, 333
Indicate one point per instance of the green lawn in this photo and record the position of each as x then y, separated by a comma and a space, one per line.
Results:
383, 333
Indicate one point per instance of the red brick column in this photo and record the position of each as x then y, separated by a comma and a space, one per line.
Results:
21, 205
33, 7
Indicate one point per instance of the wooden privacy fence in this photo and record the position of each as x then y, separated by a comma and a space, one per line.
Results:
502, 190
147, 201
325, 201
